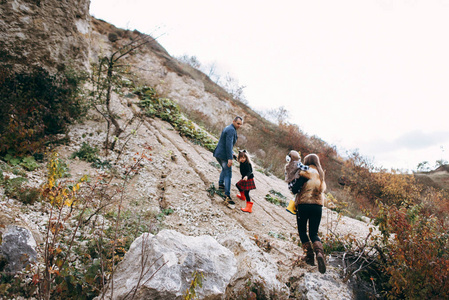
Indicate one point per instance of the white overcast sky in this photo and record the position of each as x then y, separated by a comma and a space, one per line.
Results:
359, 74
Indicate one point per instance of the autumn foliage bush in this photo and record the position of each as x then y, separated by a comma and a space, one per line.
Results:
35, 105
414, 254
276, 141
79, 254
413, 261
390, 187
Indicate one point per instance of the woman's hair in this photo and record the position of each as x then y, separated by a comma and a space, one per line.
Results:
244, 153
313, 159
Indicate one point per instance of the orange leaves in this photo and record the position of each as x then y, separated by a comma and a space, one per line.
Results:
390, 187
55, 226
418, 256
61, 195
35, 279
397, 188
147, 147
53, 271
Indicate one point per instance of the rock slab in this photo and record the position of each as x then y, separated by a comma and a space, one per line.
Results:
161, 267
17, 248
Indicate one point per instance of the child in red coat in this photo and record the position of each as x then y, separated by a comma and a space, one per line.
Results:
246, 184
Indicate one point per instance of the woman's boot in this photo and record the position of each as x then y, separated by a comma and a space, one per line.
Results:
241, 196
319, 251
248, 208
309, 257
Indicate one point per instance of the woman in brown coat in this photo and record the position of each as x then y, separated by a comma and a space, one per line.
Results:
309, 203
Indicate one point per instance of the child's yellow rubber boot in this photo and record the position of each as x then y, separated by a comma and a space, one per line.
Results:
291, 208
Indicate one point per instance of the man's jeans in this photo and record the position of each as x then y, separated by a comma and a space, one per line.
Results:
225, 176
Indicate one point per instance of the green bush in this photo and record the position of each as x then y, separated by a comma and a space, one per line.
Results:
87, 153
28, 195
333, 243
90, 154
12, 185
14, 188
36, 105
28, 162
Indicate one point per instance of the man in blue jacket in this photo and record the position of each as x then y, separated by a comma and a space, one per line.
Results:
224, 154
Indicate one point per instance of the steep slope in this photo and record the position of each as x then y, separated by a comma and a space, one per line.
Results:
179, 173
178, 177
208, 103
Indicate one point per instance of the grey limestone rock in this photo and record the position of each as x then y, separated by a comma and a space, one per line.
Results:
161, 267
17, 248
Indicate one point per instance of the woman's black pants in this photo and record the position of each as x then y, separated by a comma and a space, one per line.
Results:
310, 213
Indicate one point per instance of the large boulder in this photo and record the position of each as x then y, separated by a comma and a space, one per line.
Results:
257, 267
17, 248
161, 267
254, 265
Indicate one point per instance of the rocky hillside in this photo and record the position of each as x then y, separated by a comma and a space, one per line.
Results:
209, 104
169, 194
49, 33
178, 177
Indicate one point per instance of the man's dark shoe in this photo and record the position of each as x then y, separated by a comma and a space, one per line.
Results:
229, 203
221, 188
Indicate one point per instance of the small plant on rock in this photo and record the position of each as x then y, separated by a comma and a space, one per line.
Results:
197, 281
212, 191
276, 198
167, 110
86, 153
